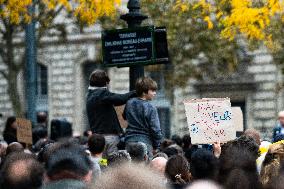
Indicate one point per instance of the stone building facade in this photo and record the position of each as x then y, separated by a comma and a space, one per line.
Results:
65, 67
256, 89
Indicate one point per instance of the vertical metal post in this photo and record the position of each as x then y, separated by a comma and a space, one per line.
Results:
31, 69
134, 19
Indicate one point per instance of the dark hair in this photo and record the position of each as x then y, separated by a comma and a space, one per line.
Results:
9, 122
99, 78
237, 163
144, 84
171, 151
186, 140
39, 133
41, 117
166, 143
137, 151
177, 170
118, 158
96, 143
177, 139
204, 165
14, 147
14, 178
70, 162
9, 133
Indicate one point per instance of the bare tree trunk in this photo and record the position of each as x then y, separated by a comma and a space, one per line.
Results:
12, 72
14, 93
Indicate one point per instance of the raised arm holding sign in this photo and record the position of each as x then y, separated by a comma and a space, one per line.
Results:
210, 120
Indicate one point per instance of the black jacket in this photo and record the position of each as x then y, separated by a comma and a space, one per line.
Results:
100, 110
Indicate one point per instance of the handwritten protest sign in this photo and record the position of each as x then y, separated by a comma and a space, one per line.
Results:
238, 119
24, 131
210, 120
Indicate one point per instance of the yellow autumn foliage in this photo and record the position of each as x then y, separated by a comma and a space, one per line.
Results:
250, 18
87, 11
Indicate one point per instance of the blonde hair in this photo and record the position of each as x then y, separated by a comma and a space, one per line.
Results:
271, 165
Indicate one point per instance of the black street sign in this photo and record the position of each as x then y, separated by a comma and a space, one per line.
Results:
126, 47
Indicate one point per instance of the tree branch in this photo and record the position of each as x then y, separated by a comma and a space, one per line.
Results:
3, 74
3, 55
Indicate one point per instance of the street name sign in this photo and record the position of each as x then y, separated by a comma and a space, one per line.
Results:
126, 47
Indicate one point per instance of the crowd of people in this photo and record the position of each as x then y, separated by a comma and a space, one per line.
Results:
110, 157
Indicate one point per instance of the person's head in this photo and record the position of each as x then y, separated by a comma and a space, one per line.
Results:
204, 184
161, 154
172, 150
146, 88
253, 134
271, 165
21, 170
14, 147
99, 78
281, 118
159, 164
204, 165
243, 142
166, 143
87, 133
238, 167
96, 144
177, 170
177, 139
137, 151
130, 176
186, 140
10, 124
69, 162
41, 117
119, 157
39, 133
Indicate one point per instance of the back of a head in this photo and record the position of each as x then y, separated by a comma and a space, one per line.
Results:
186, 140
159, 164
119, 157
271, 165
41, 117
204, 165
70, 162
171, 151
21, 170
238, 165
39, 133
99, 78
243, 142
177, 139
14, 147
137, 151
130, 176
177, 170
96, 143
166, 143
204, 184
253, 134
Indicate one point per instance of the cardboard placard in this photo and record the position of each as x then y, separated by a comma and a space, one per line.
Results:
210, 120
238, 119
24, 131
119, 111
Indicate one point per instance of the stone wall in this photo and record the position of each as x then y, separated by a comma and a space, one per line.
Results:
262, 104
